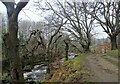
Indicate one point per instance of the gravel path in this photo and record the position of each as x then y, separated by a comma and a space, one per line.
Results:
101, 70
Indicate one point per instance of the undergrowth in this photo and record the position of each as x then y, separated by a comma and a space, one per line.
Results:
69, 71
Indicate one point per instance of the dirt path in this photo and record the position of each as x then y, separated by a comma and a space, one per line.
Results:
111, 59
101, 70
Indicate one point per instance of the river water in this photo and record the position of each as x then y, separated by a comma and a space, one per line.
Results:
38, 71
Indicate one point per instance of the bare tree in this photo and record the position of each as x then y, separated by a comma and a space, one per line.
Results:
119, 33
79, 21
12, 41
106, 15
66, 41
55, 22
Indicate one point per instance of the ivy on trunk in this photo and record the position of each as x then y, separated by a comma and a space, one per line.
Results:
12, 41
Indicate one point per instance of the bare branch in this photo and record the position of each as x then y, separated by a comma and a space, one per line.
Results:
19, 7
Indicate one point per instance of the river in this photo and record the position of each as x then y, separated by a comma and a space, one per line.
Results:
38, 71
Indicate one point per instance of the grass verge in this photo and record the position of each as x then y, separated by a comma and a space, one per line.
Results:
69, 71
113, 53
113, 62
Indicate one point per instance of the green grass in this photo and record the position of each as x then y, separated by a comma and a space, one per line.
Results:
69, 71
113, 62
113, 53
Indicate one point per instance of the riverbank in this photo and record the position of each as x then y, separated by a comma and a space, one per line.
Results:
69, 71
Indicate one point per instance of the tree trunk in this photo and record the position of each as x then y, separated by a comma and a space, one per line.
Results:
119, 54
113, 42
66, 55
12, 40
119, 44
13, 52
48, 56
66, 50
118, 25
86, 48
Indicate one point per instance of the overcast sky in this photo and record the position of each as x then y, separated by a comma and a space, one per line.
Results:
30, 13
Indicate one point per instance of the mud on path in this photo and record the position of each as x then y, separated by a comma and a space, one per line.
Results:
100, 69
